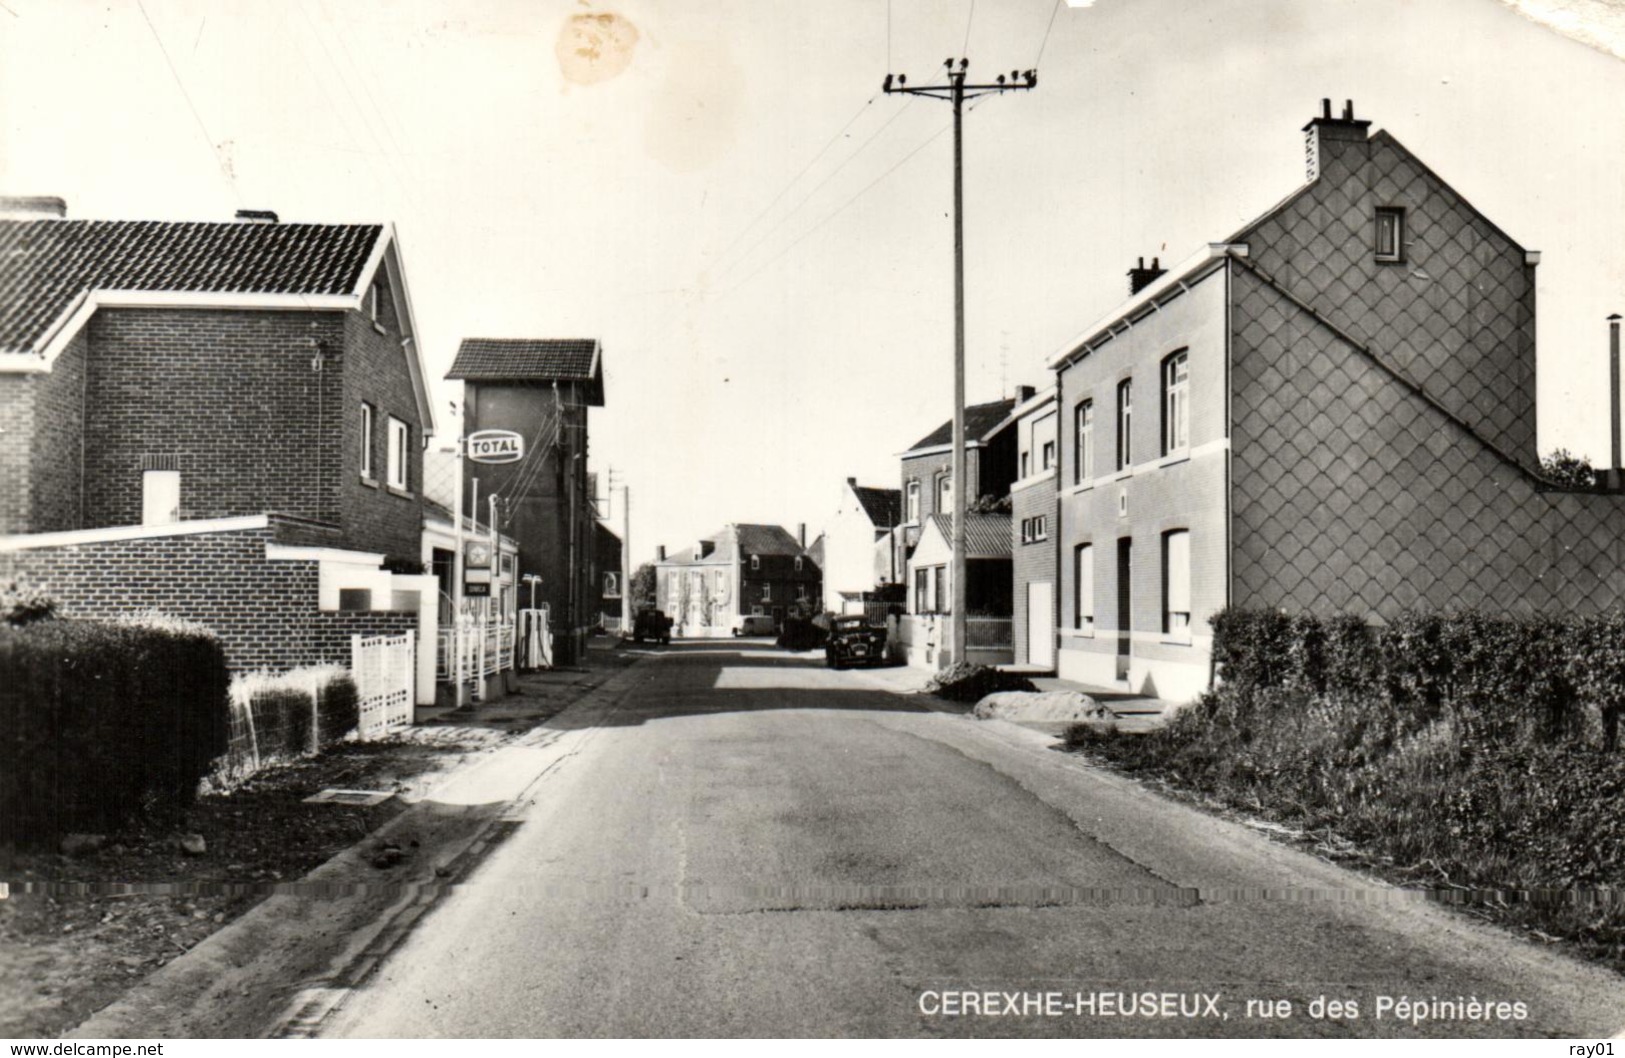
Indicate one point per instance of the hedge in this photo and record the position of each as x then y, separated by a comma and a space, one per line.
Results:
101, 719
271, 716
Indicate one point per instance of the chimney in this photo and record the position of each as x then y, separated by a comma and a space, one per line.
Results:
1025, 393
801, 534
1616, 467
704, 548
32, 207
852, 481
257, 216
660, 553
1325, 137
1140, 277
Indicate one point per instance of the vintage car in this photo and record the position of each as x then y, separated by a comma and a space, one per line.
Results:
853, 640
755, 625
651, 624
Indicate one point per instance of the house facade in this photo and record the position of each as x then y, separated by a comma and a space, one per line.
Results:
1032, 521
1330, 411
925, 633
743, 569
863, 516
539, 390
220, 420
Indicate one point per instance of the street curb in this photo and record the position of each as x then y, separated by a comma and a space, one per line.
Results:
161, 1004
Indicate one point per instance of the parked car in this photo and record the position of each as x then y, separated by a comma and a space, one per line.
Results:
755, 625
854, 641
651, 624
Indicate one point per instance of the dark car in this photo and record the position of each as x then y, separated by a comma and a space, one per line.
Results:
651, 624
854, 641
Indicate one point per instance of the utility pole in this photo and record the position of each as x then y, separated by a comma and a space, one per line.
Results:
626, 560
957, 91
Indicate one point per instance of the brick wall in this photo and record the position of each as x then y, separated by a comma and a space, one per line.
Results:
252, 424
331, 631
1457, 316
263, 611
41, 416
375, 516
1352, 493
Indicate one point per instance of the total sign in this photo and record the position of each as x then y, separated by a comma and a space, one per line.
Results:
496, 446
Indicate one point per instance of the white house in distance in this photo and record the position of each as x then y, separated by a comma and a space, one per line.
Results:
851, 563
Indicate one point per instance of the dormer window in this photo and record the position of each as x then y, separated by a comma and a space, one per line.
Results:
1390, 234
755, 562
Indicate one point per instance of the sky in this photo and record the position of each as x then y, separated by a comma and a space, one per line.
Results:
760, 238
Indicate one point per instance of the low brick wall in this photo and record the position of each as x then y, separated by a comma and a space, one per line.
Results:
263, 611
331, 639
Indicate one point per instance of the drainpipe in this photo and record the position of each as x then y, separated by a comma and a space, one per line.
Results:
1615, 464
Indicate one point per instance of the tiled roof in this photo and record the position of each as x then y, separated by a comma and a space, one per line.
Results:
883, 506
980, 419
815, 551
986, 535
513, 359
751, 539
45, 264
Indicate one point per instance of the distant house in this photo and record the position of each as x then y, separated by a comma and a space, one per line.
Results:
863, 516
1331, 411
1032, 523
221, 420
540, 389
742, 569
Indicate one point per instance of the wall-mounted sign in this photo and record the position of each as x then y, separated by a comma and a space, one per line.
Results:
477, 555
495, 446
612, 584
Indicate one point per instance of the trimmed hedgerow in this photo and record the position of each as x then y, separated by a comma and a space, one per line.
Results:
100, 719
1484, 747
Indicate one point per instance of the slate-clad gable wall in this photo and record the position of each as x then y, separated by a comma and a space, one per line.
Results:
1457, 316
1352, 494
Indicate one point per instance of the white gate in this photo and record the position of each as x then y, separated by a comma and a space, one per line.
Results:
383, 668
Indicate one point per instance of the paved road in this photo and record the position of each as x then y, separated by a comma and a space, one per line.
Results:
749, 844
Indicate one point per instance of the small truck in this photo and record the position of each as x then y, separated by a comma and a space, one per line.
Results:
651, 624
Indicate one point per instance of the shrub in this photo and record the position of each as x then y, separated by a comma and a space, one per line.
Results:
21, 604
272, 713
98, 719
971, 683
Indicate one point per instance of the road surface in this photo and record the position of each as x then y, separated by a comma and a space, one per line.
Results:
746, 843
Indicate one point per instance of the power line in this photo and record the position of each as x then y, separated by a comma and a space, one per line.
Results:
899, 164
1056, 10
968, 20
219, 159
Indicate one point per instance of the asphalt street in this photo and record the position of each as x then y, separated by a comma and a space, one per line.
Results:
749, 844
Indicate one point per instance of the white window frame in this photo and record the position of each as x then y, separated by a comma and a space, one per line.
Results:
755, 563
1083, 421
1083, 587
767, 592
1176, 584
945, 493
798, 563
1389, 245
1176, 402
1026, 463
912, 510
369, 470
399, 442
1040, 527
1125, 424
1047, 455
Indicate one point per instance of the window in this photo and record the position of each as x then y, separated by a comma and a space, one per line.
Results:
399, 452
941, 598
1176, 583
1390, 234
367, 470
1084, 420
1083, 587
1035, 529
755, 562
160, 497
922, 583
945, 494
1047, 459
1125, 416
798, 563
913, 502
1026, 463
1176, 402
767, 593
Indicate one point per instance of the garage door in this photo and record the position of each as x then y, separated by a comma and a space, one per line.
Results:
1041, 623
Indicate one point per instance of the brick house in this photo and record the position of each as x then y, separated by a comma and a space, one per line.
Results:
863, 516
1330, 411
540, 388
1032, 520
745, 569
223, 421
